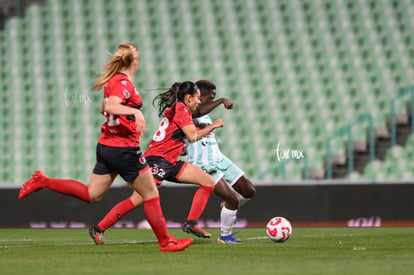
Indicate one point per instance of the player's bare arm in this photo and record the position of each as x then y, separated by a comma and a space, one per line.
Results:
193, 134
208, 107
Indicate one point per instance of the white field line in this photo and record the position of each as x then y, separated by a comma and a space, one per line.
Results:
307, 236
329, 235
114, 242
257, 238
140, 242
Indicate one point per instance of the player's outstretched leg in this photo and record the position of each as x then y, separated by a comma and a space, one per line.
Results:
63, 186
32, 185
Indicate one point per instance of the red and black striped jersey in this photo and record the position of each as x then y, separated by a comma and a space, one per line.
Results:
168, 140
120, 131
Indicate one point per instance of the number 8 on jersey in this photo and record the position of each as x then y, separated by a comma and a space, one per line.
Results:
159, 135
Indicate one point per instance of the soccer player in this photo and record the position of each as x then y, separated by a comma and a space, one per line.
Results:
177, 105
118, 149
206, 154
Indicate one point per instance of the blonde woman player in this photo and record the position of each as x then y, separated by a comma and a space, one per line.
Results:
118, 151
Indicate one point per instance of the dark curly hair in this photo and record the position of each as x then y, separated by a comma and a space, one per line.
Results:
205, 86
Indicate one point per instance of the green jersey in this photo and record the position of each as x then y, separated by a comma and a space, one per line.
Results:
204, 152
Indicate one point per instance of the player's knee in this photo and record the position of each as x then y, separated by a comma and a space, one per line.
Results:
209, 181
248, 190
153, 193
93, 200
204, 179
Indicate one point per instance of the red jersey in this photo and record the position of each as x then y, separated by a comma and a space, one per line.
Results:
120, 131
168, 140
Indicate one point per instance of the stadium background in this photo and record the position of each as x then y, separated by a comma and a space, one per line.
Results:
312, 76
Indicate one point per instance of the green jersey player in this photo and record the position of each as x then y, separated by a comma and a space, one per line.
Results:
206, 154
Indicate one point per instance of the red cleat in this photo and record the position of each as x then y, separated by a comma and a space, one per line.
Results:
96, 235
34, 184
176, 245
191, 226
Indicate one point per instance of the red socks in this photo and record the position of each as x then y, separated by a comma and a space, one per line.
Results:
116, 213
69, 187
156, 219
199, 202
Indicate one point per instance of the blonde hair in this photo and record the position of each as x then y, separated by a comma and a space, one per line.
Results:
122, 58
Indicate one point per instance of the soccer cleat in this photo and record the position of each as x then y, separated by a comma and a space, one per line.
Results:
175, 245
96, 235
230, 239
191, 226
34, 184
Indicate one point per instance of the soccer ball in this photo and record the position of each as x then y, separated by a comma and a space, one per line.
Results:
279, 229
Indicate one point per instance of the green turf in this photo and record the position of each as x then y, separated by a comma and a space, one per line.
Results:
134, 251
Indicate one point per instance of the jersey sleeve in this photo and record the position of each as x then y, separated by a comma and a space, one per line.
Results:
182, 116
120, 89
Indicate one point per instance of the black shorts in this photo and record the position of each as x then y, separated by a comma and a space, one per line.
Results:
128, 162
164, 170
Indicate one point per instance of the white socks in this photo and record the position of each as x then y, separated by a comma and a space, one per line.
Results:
228, 218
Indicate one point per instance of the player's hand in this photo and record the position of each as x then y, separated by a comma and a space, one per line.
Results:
218, 123
140, 122
228, 104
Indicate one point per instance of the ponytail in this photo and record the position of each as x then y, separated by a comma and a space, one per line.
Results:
167, 99
122, 58
175, 94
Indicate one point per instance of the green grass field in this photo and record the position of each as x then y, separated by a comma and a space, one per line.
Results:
135, 251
